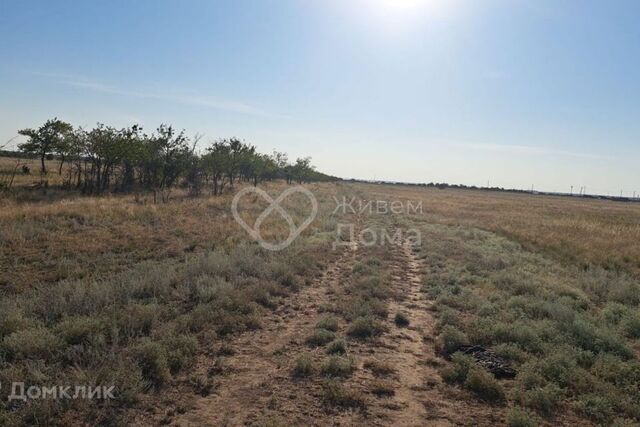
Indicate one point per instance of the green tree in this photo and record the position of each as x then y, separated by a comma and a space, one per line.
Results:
47, 139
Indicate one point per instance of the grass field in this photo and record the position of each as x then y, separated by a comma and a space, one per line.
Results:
195, 324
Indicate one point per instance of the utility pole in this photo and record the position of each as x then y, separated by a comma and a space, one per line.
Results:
571, 190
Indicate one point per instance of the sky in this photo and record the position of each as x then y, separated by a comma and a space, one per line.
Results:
514, 93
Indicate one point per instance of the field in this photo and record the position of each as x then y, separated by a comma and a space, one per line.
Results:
467, 308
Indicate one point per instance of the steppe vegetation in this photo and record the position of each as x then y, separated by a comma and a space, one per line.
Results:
169, 299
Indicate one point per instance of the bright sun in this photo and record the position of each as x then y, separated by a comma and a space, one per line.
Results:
404, 4
406, 8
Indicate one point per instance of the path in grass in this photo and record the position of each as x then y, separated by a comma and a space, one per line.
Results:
255, 381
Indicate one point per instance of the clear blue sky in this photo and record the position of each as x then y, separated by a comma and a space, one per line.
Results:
518, 92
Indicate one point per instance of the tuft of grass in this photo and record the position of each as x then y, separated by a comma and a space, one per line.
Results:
36, 343
450, 340
484, 385
600, 409
181, 351
543, 400
401, 320
152, 359
461, 364
364, 328
320, 337
338, 346
334, 393
304, 366
337, 366
382, 388
379, 368
519, 417
330, 323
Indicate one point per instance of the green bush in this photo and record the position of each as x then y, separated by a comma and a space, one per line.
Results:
303, 366
545, 399
461, 364
519, 417
484, 385
152, 359
450, 340
80, 330
181, 350
320, 337
136, 320
337, 366
599, 408
330, 323
631, 325
520, 333
37, 343
365, 327
338, 346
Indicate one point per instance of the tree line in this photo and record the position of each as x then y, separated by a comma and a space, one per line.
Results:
107, 159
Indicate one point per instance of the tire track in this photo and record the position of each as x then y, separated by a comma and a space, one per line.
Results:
257, 378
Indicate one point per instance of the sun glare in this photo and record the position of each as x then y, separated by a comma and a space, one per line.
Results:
405, 11
404, 4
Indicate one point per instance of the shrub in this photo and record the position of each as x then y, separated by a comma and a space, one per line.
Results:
337, 366
447, 317
459, 369
614, 312
136, 320
80, 330
336, 394
631, 325
181, 350
401, 320
379, 368
37, 343
11, 320
484, 385
338, 346
450, 340
320, 337
599, 408
304, 366
511, 353
543, 399
365, 327
152, 359
330, 323
519, 417
589, 337
519, 333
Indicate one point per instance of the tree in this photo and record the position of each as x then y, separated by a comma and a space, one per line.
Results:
48, 139
302, 169
216, 164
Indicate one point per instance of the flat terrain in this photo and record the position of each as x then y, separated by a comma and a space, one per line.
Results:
195, 324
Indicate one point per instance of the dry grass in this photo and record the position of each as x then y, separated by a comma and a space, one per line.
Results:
582, 231
549, 283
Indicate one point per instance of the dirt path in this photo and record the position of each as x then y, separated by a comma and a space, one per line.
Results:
254, 385
420, 398
256, 379
411, 346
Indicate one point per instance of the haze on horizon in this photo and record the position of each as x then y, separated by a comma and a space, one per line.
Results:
517, 93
